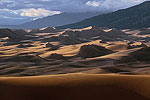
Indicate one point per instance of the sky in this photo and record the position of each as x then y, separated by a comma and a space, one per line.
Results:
33, 9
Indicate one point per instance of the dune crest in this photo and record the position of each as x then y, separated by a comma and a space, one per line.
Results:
76, 87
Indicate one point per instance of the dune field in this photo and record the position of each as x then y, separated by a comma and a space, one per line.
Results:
74, 64
50, 51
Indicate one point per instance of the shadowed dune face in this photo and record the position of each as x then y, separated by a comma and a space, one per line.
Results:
90, 51
71, 93
76, 87
21, 58
15, 35
142, 54
144, 32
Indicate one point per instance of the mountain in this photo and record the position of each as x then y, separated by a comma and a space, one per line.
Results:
134, 17
55, 20
14, 21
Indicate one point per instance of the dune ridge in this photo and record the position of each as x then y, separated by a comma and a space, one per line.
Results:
76, 87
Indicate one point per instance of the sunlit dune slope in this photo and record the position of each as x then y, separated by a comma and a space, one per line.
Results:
118, 47
76, 87
70, 50
118, 55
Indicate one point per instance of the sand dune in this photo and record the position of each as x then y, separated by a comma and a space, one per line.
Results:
118, 47
76, 87
118, 55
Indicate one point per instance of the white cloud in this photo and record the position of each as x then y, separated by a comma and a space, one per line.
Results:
26, 13
36, 12
93, 3
5, 1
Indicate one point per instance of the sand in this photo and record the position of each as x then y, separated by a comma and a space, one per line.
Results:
118, 47
97, 78
76, 87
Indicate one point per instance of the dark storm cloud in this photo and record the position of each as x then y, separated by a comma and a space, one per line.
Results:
41, 8
67, 5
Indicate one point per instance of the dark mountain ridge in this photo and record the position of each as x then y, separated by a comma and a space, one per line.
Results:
134, 17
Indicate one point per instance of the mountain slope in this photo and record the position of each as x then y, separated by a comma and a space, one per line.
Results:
134, 17
56, 20
14, 21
